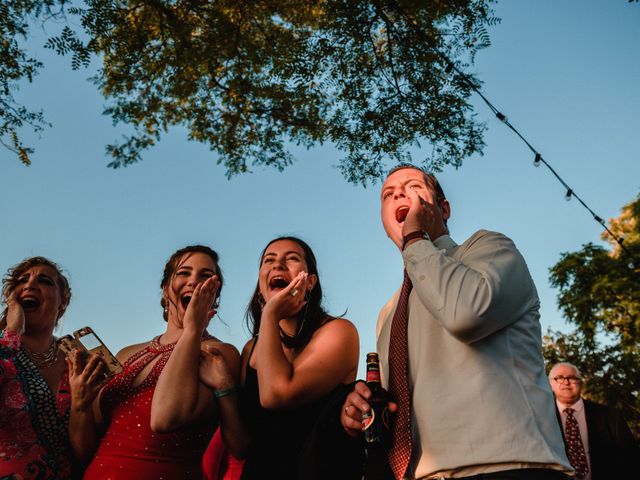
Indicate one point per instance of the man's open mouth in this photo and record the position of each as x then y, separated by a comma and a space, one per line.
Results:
401, 213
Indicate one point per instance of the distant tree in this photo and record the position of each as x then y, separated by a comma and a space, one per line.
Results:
245, 77
16, 65
600, 295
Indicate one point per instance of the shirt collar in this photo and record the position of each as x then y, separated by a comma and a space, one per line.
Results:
444, 242
577, 407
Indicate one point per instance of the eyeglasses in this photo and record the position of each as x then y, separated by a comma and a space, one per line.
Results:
570, 379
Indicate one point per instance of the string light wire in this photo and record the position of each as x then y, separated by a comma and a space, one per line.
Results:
449, 67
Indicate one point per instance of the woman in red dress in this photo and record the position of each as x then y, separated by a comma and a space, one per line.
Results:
156, 415
34, 387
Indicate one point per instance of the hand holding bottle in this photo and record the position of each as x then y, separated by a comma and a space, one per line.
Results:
364, 398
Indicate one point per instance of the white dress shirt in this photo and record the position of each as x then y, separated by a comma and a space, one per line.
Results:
480, 398
580, 416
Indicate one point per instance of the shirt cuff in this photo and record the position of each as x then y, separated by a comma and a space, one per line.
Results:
419, 250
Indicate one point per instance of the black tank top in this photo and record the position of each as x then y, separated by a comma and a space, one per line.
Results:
277, 436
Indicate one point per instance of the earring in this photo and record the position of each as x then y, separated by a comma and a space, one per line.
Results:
261, 300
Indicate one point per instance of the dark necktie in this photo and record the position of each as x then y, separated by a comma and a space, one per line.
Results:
400, 451
575, 448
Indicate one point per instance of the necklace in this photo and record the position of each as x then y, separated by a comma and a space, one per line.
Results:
157, 347
46, 359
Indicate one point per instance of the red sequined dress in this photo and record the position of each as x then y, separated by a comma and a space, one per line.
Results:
129, 448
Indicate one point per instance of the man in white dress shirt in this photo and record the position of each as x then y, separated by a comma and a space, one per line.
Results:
480, 406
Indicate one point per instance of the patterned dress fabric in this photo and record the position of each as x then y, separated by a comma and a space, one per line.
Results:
129, 448
33, 420
400, 451
575, 448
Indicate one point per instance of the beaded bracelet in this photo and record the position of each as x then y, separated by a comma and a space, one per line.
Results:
225, 392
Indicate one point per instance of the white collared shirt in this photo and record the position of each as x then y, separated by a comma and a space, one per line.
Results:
480, 399
580, 416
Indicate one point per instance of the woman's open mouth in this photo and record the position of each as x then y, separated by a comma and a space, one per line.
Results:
185, 299
278, 283
30, 304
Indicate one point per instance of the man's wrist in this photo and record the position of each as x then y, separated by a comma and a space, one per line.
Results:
413, 236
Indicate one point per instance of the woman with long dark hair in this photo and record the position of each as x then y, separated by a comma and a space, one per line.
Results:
298, 357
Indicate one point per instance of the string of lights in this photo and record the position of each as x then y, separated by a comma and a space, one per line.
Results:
538, 160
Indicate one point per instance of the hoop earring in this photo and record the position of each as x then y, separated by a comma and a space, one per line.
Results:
261, 300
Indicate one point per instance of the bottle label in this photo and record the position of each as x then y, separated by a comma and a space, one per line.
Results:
369, 418
385, 417
373, 376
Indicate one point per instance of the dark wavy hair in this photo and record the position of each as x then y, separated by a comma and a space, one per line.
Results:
176, 260
313, 313
10, 281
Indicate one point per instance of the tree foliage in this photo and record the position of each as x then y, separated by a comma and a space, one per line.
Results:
599, 293
16, 65
246, 77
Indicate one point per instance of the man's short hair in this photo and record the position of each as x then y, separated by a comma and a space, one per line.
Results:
430, 178
566, 364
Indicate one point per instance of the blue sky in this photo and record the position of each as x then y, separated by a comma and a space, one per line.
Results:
567, 75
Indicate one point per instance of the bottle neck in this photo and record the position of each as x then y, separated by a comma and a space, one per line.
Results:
373, 376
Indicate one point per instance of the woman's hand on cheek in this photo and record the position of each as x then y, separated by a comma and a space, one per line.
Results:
15, 315
290, 300
199, 311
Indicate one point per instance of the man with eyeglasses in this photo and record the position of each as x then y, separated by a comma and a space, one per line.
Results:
598, 441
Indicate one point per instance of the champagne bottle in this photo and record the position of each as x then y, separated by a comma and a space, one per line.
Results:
377, 433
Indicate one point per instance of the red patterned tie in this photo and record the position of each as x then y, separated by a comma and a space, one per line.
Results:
575, 448
400, 452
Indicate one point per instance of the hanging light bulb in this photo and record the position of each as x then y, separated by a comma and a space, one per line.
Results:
537, 160
568, 195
